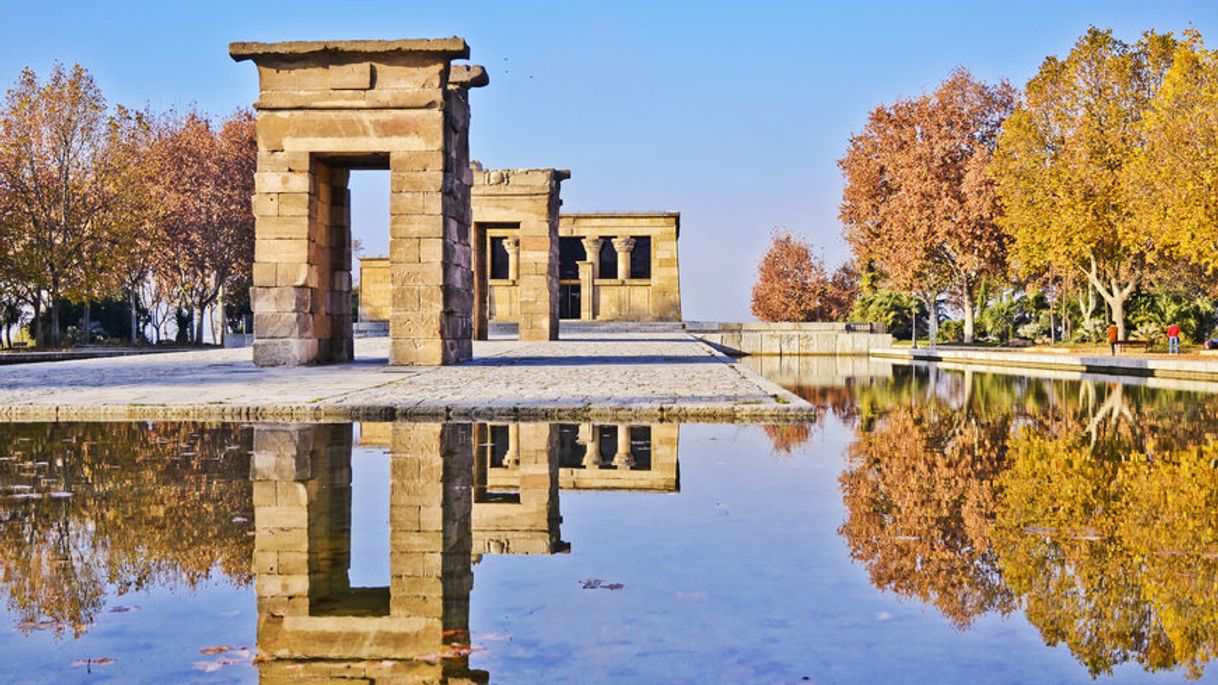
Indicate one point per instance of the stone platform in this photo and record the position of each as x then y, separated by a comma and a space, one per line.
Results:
645, 377
1142, 365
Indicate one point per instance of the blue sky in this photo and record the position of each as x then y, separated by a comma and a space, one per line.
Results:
731, 113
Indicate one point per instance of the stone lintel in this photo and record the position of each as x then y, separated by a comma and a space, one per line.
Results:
520, 181
447, 48
468, 76
612, 220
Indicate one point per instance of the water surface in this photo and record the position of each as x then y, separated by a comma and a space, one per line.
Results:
930, 527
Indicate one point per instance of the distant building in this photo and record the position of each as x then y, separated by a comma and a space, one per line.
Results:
613, 266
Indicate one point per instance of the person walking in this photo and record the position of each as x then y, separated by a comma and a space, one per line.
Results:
1112, 337
1173, 339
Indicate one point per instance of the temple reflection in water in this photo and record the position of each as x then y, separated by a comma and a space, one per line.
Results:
1087, 508
456, 492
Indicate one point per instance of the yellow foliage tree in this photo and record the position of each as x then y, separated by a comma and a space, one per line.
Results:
1174, 178
1061, 161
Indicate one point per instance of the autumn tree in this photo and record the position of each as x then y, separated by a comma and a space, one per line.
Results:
57, 174
918, 203
841, 292
205, 178
1171, 179
791, 282
1061, 163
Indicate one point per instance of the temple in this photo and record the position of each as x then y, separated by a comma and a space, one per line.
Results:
534, 266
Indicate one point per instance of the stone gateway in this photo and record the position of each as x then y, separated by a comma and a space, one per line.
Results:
328, 107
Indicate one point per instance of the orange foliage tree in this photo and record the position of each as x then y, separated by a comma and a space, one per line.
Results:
792, 284
204, 182
918, 203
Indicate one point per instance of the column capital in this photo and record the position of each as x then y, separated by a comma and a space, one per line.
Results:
623, 244
592, 248
512, 245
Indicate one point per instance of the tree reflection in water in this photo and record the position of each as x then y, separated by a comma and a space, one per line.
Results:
87, 509
1092, 507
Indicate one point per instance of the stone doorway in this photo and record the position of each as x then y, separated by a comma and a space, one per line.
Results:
322, 106
569, 303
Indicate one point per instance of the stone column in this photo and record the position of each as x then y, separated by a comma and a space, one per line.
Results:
592, 455
588, 272
623, 459
512, 246
624, 247
592, 253
512, 456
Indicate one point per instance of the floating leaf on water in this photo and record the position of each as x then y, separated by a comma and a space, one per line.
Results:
121, 609
89, 663
216, 649
209, 666
26, 626
598, 584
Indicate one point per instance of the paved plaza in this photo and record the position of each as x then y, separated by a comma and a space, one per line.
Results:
619, 376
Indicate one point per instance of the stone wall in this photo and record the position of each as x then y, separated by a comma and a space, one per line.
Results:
375, 289
621, 296
605, 297
788, 339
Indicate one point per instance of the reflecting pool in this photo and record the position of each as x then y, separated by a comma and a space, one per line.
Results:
933, 526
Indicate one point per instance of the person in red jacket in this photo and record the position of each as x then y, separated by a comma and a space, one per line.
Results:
1112, 337
1173, 339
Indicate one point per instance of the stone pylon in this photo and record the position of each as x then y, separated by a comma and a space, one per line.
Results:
522, 205
325, 108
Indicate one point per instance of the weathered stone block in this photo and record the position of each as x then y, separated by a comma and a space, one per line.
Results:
351, 76
290, 352
283, 325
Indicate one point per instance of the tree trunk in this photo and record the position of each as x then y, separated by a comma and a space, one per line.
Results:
37, 328
200, 315
913, 325
1117, 305
54, 321
932, 319
88, 321
220, 310
969, 315
134, 314
1115, 295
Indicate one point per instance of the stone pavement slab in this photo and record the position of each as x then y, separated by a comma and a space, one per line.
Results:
594, 376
